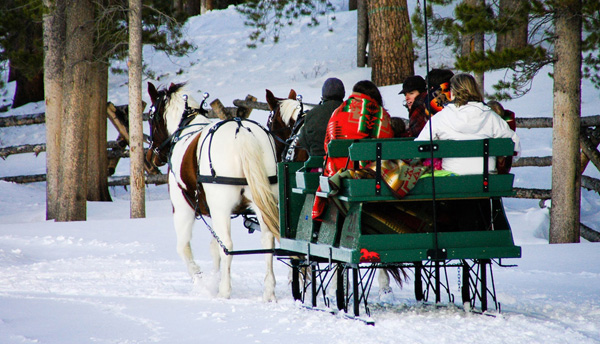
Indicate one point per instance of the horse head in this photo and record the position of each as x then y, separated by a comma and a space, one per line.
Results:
285, 113
160, 117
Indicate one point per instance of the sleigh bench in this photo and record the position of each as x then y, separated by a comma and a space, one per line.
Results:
373, 222
454, 187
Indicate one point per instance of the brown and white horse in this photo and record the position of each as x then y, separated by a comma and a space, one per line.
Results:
284, 122
215, 169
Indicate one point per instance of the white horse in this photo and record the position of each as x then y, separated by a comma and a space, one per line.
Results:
235, 162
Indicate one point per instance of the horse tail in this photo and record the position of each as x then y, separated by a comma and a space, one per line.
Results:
253, 165
398, 274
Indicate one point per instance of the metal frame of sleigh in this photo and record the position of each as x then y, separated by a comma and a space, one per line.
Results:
443, 222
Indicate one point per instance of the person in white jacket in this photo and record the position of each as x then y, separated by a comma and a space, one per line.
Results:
467, 118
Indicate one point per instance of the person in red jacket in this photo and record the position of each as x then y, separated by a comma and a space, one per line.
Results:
361, 116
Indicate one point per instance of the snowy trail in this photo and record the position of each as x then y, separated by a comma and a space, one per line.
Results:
116, 280
120, 281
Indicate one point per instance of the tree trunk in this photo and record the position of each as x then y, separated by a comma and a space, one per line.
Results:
136, 134
514, 14
206, 5
54, 38
97, 147
191, 7
566, 177
178, 6
390, 50
27, 72
352, 5
474, 42
27, 90
362, 34
76, 100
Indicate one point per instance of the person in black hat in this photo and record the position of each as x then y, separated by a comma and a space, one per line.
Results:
411, 88
312, 134
439, 95
414, 90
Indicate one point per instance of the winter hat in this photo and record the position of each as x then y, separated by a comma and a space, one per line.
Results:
436, 77
413, 83
333, 88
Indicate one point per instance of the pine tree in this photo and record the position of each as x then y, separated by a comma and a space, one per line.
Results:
523, 61
267, 18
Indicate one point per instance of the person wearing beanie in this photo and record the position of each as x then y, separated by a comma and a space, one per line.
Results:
361, 116
312, 134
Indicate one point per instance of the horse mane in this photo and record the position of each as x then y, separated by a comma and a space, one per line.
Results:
175, 105
289, 109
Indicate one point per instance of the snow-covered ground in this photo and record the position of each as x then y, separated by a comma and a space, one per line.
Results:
112, 279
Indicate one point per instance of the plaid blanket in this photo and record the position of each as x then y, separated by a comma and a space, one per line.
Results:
399, 176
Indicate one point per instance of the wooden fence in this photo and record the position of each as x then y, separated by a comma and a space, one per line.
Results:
589, 141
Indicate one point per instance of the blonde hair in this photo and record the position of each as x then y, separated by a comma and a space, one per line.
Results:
465, 89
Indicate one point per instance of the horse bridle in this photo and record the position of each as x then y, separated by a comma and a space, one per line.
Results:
156, 151
291, 142
187, 117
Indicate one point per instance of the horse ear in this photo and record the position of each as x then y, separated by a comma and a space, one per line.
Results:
152, 91
292, 94
271, 100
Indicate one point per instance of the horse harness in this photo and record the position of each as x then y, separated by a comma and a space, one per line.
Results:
213, 178
194, 194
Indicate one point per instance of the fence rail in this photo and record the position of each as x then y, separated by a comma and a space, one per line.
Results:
589, 142
116, 151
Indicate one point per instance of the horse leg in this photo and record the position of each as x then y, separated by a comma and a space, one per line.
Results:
268, 242
183, 220
385, 291
222, 226
215, 252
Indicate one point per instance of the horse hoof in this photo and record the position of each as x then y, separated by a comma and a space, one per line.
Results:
269, 297
226, 296
197, 277
386, 295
